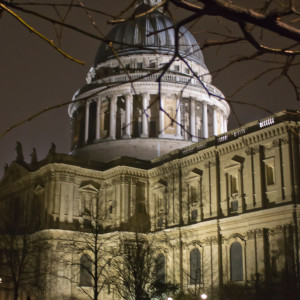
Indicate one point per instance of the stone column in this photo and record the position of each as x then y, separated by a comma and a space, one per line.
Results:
215, 123
193, 120
71, 197
112, 117
205, 121
161, 116
98, 120
145, 130
118, 203
128, 107
224, 124
178, 118
87, 119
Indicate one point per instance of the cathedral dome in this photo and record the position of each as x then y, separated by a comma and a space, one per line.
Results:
130, 108
149, 34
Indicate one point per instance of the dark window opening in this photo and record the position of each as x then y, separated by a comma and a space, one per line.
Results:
234, 205
236, 262
160, 268
195, 266
85, 270
194, 214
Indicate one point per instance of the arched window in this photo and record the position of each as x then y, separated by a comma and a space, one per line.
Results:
160, 268
236, 262
195, 266
85, 270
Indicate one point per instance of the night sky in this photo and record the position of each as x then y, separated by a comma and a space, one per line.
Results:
33, 76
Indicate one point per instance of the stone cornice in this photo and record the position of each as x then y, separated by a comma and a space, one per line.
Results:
63, 172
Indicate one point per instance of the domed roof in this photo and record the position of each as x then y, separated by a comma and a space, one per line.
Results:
150, 34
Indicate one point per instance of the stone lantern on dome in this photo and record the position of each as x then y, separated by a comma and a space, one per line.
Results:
128, 109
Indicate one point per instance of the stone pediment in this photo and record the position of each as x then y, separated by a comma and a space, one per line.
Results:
89, 186
38, 189
14, 172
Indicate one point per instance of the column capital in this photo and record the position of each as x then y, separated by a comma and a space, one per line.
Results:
193, 98
112, 97
127, 95
163, 95
144, 94
175, 96
95, 99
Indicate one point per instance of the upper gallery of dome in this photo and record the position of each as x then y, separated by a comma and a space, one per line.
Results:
151, 33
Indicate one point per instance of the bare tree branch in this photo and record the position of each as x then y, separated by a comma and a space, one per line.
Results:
31, 29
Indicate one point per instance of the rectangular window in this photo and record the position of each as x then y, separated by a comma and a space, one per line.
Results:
270, 178
139, 65
194, 214
234, 205
193, 195
160, 222
233, 185
176, 68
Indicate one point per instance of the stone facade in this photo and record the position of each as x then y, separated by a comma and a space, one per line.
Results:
154, 148
240, 188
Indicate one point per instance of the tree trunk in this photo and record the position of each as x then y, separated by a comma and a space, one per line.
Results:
16, 290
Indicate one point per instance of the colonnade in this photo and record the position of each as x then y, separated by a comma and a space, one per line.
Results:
145, 97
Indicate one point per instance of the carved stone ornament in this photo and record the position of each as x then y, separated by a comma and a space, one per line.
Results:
251, 234
71, 178
249, 151
276, 143
259, 233
207, 164
278, 229
50, 176
252, 150
38, 189
234, 236
210, 240
63, 177
285, 141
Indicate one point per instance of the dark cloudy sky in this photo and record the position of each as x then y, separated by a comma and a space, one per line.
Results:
33, 76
